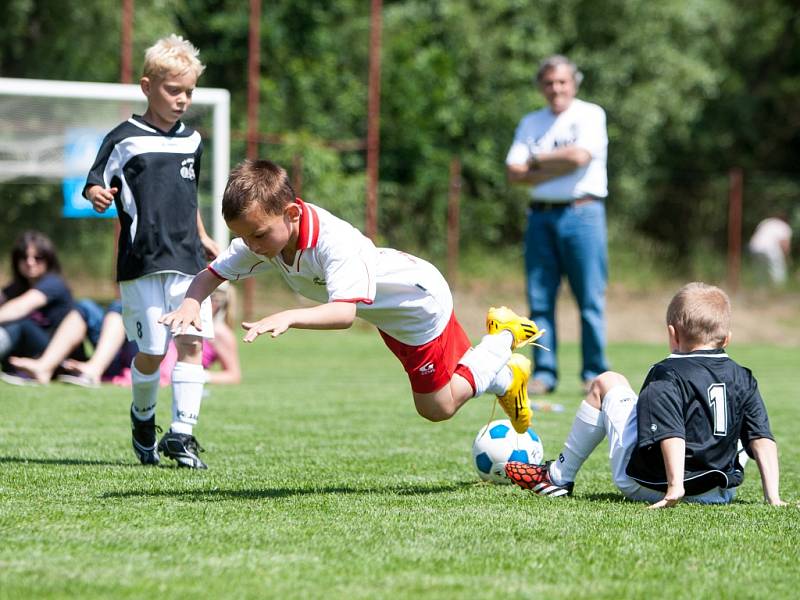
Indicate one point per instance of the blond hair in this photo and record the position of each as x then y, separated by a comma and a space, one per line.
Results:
224, 297
172, 55
701, 314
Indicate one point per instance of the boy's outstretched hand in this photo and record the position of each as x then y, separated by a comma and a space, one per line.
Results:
188, 314
274, 325
331, 315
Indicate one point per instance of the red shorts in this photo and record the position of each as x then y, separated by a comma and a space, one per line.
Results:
431, 366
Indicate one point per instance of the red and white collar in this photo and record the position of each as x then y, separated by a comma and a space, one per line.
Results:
309, 226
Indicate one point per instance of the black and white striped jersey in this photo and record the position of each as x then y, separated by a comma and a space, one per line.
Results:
156, 174
711, 402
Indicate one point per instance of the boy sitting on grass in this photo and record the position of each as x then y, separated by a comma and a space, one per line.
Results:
680, 440
328, 260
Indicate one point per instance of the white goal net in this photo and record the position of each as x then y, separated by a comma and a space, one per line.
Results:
51, 131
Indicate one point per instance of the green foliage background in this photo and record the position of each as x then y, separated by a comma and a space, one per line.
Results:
691, 88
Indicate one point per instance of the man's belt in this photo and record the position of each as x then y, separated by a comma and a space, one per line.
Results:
560, 204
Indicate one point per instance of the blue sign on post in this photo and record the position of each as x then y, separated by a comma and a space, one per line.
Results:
80, 149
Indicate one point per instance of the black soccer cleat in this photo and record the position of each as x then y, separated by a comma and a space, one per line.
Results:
143, 438
536, 478
182, 448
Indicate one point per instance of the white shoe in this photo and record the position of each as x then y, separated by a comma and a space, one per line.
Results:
14, 379
80, 379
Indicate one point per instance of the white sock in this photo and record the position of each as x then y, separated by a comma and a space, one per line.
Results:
501, 382
487, 358
145, 392
586, 433
187, 393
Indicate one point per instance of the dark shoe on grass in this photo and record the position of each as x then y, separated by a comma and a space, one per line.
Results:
182, 448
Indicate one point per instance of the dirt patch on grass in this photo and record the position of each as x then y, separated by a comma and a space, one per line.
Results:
758, 316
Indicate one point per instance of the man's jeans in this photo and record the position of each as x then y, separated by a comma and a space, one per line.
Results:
571, 241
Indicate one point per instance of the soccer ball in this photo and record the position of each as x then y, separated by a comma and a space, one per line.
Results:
497, 443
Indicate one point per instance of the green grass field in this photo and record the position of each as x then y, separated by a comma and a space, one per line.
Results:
323, 482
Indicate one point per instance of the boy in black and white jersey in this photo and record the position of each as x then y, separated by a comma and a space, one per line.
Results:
148, 166
680, 439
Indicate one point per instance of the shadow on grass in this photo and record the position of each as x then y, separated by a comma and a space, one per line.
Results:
607, 497
289, 492
620, 499
67, 462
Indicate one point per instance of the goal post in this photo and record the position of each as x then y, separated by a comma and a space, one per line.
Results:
36, 115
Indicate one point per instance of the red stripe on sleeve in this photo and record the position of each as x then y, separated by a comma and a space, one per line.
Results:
210, 268
353, 300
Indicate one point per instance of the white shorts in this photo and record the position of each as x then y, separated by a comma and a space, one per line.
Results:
146, 299
619, 419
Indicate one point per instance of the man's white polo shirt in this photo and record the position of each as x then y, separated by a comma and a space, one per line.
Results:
583, 124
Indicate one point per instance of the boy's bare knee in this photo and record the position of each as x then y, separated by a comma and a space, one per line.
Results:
147, 363
432, 415
188, 345
435, 413
602, 384
433, 410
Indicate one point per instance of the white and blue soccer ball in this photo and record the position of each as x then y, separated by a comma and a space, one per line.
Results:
497, 443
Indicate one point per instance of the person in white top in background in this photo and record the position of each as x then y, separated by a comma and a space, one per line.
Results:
770, 246
560, 153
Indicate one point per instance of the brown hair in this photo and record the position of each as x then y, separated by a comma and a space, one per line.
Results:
261, 181
700, 313
44, 248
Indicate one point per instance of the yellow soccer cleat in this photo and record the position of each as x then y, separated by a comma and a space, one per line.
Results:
524, 330
515, 400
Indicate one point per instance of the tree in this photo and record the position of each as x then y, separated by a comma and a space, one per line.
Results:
691, 88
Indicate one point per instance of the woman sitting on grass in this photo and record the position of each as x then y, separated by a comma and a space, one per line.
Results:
35, 302
111, 359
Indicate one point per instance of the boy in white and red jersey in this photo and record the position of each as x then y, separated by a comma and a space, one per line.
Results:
406, 298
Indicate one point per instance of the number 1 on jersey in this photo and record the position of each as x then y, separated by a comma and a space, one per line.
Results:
718, 401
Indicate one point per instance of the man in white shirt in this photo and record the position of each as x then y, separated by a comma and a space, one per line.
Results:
770, 246
560, 153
